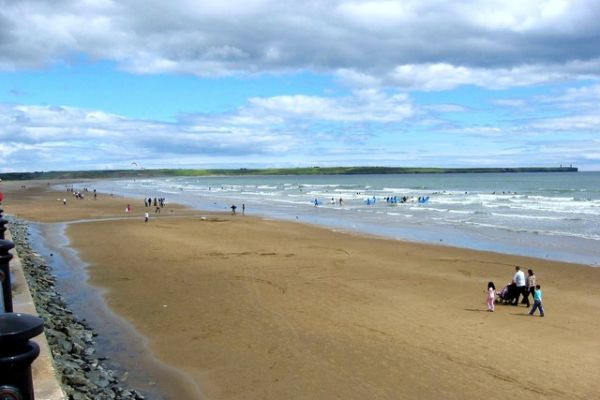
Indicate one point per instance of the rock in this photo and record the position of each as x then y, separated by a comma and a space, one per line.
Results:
99, 378
79, 396
76, 379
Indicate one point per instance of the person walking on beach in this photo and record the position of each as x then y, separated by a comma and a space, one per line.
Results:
243, 209
531, 283
233, 207
521, 287
491, 296
537, 301
146, 216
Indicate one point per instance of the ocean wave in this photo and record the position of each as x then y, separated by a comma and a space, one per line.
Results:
268, 194
395, 214
463, 212
543, 232
166, 191
524, 216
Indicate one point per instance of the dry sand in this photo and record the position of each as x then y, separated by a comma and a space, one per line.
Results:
258, 309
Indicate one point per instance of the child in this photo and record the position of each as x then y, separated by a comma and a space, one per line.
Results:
537, 301
491, 296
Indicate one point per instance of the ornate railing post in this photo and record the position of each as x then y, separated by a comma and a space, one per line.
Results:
3, 223
5, 257
17, 353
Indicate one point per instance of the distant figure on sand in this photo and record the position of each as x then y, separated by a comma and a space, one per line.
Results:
537, 301
243, 208
491, 296
233, 207
65, 202
146, 216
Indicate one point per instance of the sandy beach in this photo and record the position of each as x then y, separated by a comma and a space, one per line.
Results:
260, 309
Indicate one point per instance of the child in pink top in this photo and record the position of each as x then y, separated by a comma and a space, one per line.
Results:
491, 296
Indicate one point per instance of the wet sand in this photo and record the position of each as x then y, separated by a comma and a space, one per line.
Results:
253, 308
126, 349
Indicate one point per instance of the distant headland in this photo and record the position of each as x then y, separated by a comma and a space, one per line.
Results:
149, 173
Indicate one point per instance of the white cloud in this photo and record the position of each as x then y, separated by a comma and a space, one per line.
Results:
432, 45
586, 123
377, 14
275, 127
370, 127
577, 99
443, 76
363, 106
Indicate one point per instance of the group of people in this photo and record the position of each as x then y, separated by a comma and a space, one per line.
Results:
234, 207
158, 202
520, 286
372, 200
78, 194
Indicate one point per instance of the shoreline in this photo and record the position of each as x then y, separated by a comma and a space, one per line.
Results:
127, 349
254, 308
506, 238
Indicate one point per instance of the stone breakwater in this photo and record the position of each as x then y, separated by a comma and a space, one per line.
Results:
83, 374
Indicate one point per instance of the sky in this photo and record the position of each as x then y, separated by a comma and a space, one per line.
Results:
103, 84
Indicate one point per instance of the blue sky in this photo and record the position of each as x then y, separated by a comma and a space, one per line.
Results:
100, 84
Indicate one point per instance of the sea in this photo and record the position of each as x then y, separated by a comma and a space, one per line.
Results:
544, 215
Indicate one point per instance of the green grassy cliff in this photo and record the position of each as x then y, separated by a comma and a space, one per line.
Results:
127, 173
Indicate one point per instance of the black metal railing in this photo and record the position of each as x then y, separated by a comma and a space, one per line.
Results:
17, 351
